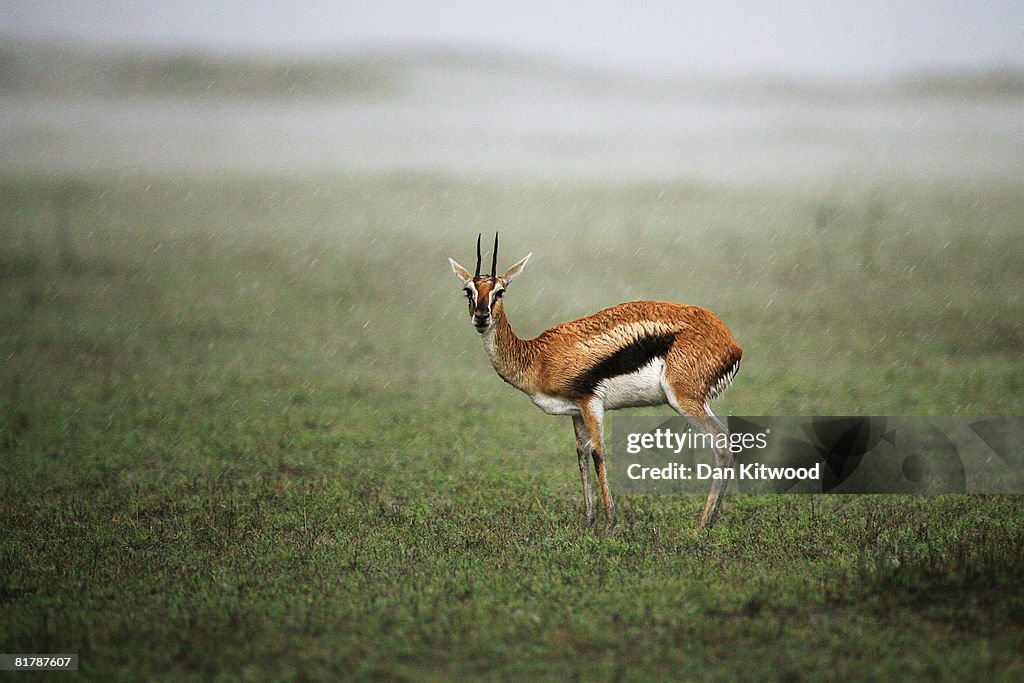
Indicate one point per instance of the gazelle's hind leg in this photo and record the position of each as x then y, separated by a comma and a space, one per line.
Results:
701, 417
583, 455
724, 458
592, 413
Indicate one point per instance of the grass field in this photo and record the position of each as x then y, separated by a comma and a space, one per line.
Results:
247, 432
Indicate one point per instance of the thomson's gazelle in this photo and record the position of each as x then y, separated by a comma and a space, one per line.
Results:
641, 353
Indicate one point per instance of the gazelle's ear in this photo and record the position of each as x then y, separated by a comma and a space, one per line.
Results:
514, 271
460, 272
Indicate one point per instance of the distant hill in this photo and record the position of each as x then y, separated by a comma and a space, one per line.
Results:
77, 70
81, 71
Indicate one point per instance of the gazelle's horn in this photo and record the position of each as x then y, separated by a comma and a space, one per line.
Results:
494, 257
477, 256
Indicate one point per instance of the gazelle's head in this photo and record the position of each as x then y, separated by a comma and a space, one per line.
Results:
484, 292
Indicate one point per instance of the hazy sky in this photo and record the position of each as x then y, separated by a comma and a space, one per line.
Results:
837, 37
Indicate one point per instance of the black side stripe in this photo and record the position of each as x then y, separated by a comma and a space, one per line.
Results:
628, 359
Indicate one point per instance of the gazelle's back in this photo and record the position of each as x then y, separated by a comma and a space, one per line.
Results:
634, 341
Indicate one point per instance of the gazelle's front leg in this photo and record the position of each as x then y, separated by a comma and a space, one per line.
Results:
593, 419
583, 456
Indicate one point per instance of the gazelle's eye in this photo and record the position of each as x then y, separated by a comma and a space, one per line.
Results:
469, 293
497, 295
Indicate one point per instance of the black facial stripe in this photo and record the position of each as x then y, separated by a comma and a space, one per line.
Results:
482, 308
628, 359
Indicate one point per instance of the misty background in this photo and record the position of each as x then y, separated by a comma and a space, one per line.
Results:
726, 92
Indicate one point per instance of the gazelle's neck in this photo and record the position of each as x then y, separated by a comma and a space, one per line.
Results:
510, 355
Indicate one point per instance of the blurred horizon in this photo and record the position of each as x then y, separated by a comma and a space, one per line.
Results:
727, 93
489, 114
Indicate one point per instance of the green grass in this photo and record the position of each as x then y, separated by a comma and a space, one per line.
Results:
246, 432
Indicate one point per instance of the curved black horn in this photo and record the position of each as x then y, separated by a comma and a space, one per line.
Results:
477, 256
494, 257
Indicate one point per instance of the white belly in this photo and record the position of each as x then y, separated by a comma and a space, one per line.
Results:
555, 405
641, 388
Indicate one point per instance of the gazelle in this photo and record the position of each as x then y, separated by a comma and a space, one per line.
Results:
641, 353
